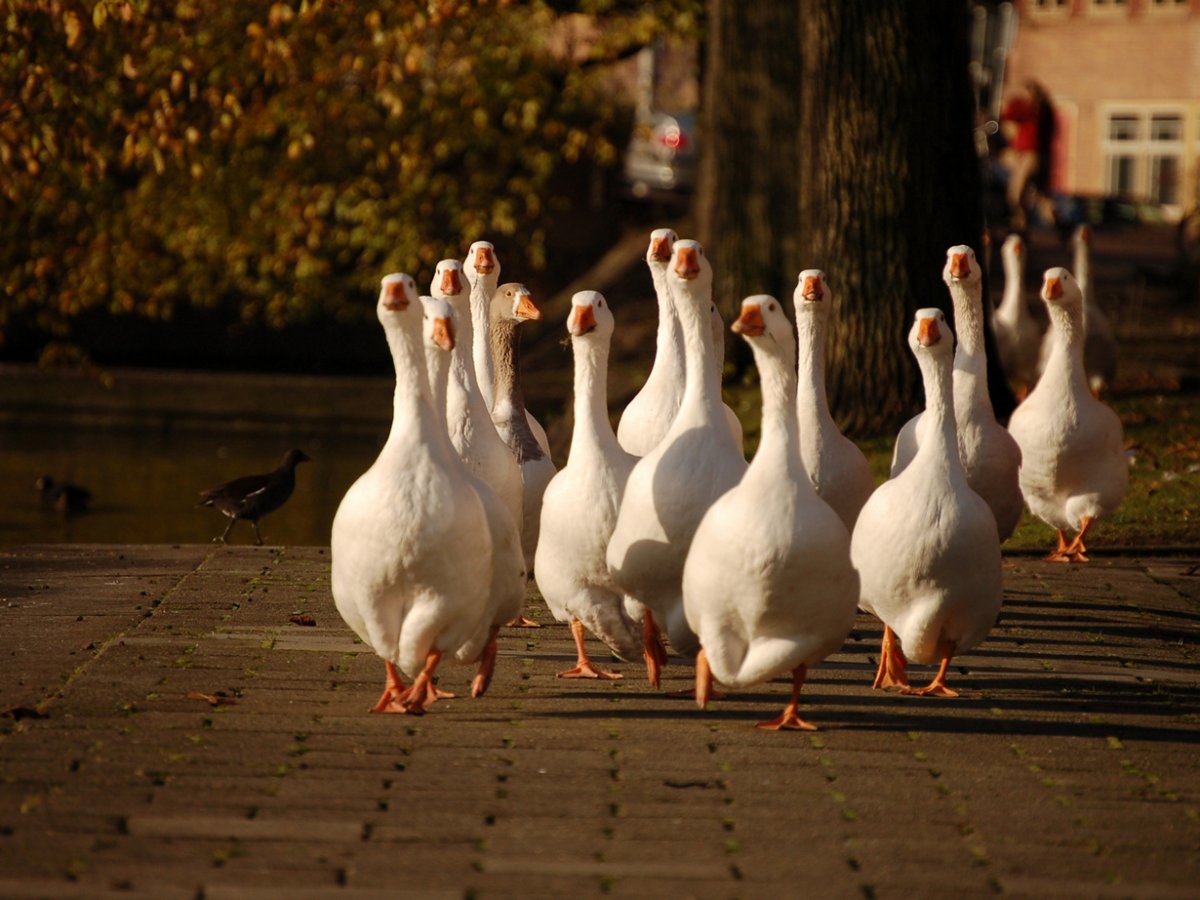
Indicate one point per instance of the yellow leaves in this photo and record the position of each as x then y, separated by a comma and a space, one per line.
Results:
73, 26
413, 60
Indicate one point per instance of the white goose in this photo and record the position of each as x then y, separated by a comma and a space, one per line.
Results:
468, 417
512, 304
508, 562
926, 545
579, 508
403, 528
768, 584
483, 273
1018, 335
989, 454
837, 468
671, 488
1099, 345
1073, 466
648, 416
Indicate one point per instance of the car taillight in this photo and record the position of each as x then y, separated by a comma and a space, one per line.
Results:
673, 139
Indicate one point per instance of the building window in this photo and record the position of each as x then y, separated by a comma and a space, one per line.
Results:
1144, 155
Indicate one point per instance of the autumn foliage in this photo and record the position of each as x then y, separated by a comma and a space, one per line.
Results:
271, 160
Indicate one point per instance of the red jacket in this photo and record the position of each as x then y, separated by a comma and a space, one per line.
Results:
1024, 114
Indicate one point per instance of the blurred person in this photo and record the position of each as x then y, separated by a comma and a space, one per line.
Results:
1028, 124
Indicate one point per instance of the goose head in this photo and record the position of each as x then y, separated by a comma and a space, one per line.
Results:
438, 322
761, 316
482, 262
1083, 236
662, 243
812, 295
1061, 293
689, 269
930, 334
447, 279
961, 267
1013, 248
514, 302
397, 292
590, 315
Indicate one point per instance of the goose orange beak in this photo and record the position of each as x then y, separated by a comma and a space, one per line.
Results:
526, 308
687, 266
443, 334
928, 333
394, 298
750, 323
484, 261
812, 288
960, 267
1052, 289
582, 321
451, 285
660, 249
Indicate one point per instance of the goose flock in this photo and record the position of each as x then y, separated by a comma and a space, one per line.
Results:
660, 534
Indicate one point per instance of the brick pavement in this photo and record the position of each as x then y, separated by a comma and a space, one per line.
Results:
1069, 766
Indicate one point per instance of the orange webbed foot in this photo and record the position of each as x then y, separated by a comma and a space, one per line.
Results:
585, 669
653, 650
789, 721
893, 667
933, 689
522, 622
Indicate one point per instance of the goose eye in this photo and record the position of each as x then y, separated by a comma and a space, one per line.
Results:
771, 307
600, 303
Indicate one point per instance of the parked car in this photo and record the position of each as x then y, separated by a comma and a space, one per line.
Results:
660, 161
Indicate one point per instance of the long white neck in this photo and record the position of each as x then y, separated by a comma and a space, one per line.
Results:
1012, 303
1065, 363
778, 453
481, 300
413, 418
702, 385
1083, 276
812, 405
592, 432
668, 345
970, 363
939, 440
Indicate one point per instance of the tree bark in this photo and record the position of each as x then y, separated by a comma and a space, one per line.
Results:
863, 166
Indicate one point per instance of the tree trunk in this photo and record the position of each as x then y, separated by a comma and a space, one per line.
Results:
863, 166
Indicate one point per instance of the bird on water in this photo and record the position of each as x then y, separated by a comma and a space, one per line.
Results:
253, 496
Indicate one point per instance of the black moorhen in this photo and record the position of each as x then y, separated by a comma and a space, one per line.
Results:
254, 496
65, 497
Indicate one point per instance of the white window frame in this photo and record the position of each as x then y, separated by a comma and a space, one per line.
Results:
1143, 150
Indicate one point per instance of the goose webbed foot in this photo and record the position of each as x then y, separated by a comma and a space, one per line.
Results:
583, 665
653, 650
937, 687
790, 719
522, 622
487, 666
393, 690
893, 667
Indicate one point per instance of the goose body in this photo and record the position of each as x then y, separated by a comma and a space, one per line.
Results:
1073, 466
468, 415
508, 575
671, 488
648, 416
768, 586
926, 545
836, 467
989, 454
512, 305
1018, 335
579, 508
403, 528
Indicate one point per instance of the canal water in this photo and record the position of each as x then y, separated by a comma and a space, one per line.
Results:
145, 483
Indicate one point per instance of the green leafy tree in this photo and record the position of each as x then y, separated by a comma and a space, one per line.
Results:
269, 161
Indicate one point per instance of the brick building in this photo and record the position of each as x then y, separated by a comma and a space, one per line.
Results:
1125, 78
